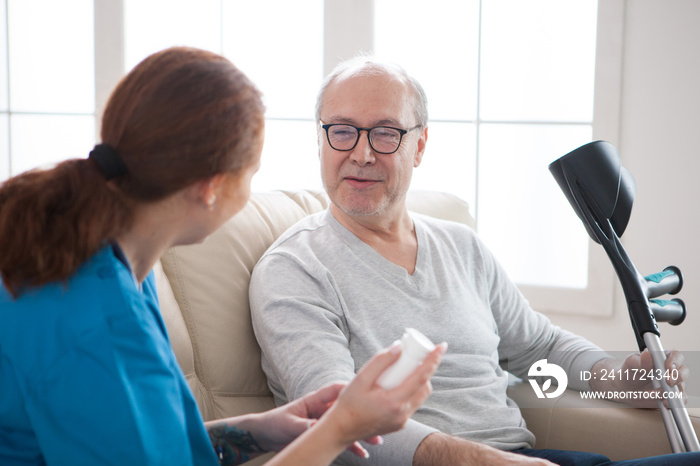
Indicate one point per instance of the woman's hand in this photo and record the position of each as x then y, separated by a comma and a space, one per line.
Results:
364, 410
337, 416
334, 417
282, 425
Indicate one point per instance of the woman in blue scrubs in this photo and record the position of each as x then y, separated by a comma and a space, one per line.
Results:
87, 374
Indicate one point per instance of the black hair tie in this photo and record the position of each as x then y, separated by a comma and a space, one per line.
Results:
108, 161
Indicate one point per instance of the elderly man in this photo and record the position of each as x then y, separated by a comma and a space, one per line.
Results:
339, 286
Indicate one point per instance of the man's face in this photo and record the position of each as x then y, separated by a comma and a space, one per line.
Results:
362, 182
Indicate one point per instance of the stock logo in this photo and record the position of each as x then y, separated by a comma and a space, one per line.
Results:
542, 369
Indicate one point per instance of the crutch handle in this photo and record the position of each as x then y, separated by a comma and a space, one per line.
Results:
665, 310
669, 281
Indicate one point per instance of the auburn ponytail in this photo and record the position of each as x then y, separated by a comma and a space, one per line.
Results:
180, 116
51, 221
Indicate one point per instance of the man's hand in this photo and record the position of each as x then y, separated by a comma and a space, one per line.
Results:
636, 374
439, 448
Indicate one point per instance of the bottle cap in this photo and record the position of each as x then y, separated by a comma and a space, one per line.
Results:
416, 344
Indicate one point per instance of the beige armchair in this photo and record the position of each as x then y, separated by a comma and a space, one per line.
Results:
203, 292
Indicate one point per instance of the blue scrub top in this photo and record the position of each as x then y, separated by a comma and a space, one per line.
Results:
88, 376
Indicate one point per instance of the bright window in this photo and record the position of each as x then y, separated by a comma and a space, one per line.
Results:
537, 60
513, 80
277, 43
522, 214
511, 87
152, 25
47, 83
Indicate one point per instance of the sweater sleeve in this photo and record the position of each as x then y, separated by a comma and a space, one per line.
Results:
527, 336
300, 322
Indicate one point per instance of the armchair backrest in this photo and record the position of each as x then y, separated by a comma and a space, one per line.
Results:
203, 293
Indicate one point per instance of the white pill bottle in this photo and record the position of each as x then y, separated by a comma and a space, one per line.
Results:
414, 348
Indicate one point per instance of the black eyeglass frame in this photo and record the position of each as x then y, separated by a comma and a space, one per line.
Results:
402, 133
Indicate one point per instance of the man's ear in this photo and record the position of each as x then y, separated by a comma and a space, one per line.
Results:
422, 141
319, 139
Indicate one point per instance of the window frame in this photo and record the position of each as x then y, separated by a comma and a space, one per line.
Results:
597, 300
348, 28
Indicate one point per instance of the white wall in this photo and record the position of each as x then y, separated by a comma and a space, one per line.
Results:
659, 140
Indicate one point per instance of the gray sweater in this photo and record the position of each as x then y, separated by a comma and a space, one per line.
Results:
323, 302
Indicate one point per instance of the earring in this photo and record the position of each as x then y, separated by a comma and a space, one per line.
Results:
211, 203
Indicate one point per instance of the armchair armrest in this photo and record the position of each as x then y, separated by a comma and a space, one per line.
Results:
600, 426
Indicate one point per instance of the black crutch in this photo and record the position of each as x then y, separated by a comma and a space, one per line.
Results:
601, 192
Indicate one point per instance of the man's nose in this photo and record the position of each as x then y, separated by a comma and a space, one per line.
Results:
363, 154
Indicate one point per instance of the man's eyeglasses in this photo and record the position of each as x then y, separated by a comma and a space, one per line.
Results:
382, 139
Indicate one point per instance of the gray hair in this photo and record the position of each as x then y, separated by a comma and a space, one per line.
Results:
370, 66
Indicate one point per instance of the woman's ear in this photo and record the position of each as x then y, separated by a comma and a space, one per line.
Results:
209, 190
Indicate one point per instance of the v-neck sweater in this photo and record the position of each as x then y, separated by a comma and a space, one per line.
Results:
323, 302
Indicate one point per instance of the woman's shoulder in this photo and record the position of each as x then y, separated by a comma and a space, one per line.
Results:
96, 303
58, 292
64, 306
